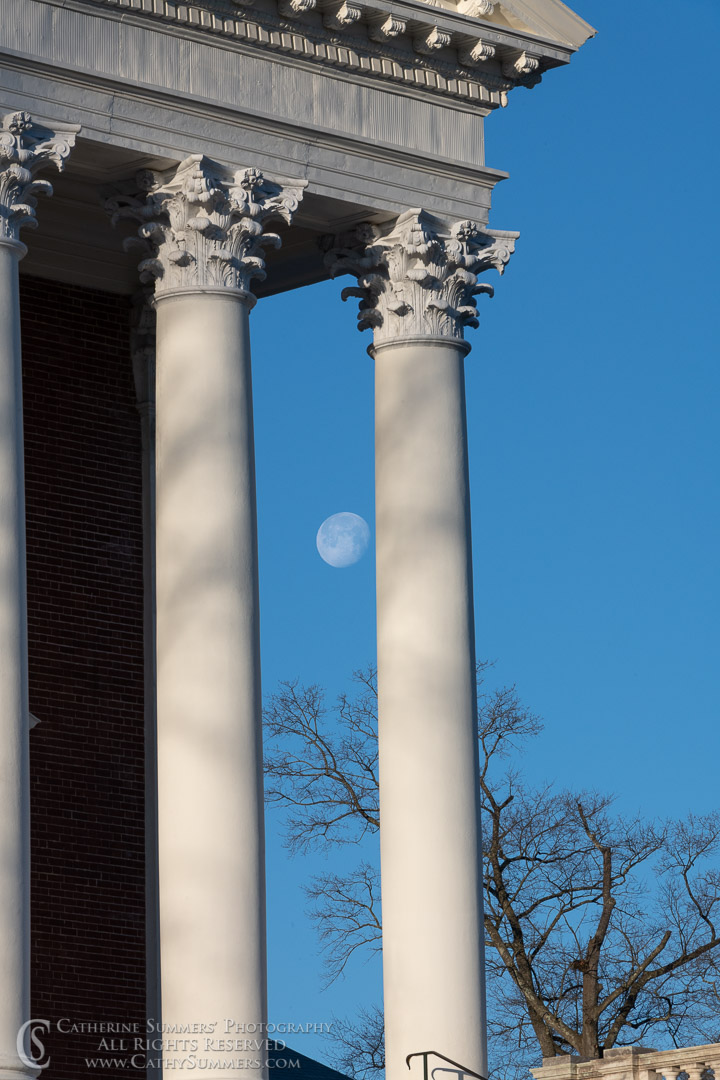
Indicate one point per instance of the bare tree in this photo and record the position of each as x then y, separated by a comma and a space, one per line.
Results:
602, 929
358, 1046
346, 912
324, 774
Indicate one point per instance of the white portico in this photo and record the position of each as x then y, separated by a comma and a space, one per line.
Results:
243, 149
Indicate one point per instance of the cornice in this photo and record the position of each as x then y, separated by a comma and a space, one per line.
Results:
161, 124
423, 48
448, 168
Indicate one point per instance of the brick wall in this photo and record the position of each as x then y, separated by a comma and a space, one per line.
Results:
84, 527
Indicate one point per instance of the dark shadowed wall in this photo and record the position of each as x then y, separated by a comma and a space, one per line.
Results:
84, 531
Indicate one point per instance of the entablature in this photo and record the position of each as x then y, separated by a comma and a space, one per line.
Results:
377, 105
471, 50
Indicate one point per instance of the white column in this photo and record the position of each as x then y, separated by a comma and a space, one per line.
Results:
210, 812
14, 772
429, 799
25, 148
205, 227
417, 285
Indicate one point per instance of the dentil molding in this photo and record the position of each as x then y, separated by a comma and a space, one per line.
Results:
436, 50
420, 280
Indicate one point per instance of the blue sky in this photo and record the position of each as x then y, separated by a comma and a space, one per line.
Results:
593, 398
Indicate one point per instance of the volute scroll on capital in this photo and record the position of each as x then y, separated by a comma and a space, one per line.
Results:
26, 147
202, 224
420, 279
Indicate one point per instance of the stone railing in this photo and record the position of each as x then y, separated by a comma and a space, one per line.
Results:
636, 1063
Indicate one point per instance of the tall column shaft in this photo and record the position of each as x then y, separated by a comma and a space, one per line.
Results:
14, 749
25, 149
212, 877
416, 284
203, 227
429, 799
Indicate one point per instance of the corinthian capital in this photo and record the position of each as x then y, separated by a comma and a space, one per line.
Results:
202, 225
25, 148
420, 280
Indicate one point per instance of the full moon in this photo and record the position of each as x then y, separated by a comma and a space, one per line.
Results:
343, 539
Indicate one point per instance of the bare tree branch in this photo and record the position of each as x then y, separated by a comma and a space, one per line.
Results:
346, 912
601, 928
357, 1048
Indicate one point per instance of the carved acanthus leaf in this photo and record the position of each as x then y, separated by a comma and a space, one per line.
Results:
291, 9
420, 279
476, 54
521, 66
476, 9
342, 17
430, 43
202, 226
25, 148
391, 27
